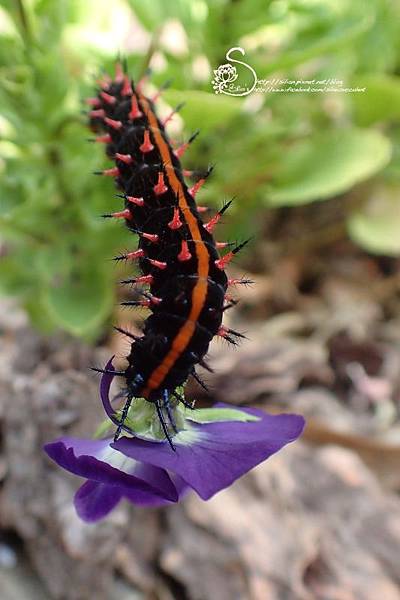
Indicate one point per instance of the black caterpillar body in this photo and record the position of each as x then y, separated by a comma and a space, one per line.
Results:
177, 255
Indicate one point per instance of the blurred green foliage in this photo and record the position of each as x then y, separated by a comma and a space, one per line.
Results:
272, 150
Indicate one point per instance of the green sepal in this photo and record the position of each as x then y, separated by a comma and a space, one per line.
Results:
143, 419
215, 415
103, 429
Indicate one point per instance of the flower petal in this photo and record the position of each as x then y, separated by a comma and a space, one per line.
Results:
93, 501
105, 384
143, 499
209, 457
96, 460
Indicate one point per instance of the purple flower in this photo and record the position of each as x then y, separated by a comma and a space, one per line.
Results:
209, 457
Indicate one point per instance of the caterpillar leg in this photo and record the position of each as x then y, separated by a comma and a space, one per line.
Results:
184, 401
163, 424
109, 371
124, 414
170, 414
200, 381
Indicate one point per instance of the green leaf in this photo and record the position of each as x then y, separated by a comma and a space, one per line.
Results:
151, 14
376, 226
154, 14
81, 302
204, 109
38, 313
380, 101
16, 276
342, 34
328, 164
212, 415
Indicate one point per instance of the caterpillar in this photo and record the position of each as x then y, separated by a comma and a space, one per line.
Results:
177, 256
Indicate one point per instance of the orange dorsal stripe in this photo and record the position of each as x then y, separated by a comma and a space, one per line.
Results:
199, 292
